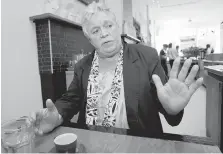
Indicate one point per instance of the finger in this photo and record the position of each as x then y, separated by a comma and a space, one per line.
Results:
175, 68
29, 122
190, 78
184, 71
40, 114
50, 105
157, 81
36, 117
38, 131
45, 127
33, 117
195, 85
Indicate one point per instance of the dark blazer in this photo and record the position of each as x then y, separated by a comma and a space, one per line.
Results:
142, 104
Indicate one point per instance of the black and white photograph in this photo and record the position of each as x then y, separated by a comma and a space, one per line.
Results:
111, 76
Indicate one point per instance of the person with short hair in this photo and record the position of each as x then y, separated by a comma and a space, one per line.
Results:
172, 54
209, 49
177, 48
119, 85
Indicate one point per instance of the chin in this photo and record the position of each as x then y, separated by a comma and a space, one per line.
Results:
109, 51
110, 48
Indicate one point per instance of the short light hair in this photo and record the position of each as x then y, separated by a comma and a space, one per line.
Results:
92, 9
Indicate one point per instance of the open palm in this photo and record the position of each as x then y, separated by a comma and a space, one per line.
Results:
176, 93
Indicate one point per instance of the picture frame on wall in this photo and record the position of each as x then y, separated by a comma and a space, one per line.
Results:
87, 2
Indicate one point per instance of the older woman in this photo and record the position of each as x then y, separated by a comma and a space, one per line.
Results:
119, 85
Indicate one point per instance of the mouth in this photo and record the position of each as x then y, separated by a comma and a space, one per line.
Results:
107, 42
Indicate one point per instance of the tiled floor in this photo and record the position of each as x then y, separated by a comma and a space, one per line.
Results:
193, 122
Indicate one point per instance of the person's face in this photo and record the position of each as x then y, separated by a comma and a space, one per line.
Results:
104, 34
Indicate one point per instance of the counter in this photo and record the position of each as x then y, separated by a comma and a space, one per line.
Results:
214, 100
204, 72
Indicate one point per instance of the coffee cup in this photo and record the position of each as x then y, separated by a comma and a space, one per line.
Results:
66, 143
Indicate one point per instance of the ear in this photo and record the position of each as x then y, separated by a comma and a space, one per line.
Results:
119, 29
86, 35
89, 40
117, 24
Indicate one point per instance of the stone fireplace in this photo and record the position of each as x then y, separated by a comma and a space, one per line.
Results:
58, 40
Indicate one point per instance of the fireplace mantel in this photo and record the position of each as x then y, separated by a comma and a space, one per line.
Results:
54, 17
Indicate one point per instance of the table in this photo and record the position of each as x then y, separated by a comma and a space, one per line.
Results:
99, 139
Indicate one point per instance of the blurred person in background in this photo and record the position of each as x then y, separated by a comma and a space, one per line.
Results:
177, 48
172, 54
180, 52
209, 49
163, 58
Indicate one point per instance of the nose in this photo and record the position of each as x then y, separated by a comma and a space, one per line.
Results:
104, 33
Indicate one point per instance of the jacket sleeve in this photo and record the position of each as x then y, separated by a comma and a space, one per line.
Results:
69, 104
173, 120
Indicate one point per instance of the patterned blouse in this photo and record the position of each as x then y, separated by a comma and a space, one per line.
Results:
105, 86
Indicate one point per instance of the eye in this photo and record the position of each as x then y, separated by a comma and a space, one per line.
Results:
95, 31
110, 25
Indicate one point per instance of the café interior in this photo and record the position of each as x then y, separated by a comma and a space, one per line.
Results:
42, 41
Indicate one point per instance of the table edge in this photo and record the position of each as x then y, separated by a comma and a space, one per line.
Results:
164, 136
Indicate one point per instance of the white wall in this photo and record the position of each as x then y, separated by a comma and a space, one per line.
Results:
139, 11
21, 87
21, 90
204, 14
172, 32
221, 37
69, 9
116, 7
205, 10
212, 37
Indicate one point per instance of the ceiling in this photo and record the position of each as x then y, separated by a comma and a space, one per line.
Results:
172, 3
193, 11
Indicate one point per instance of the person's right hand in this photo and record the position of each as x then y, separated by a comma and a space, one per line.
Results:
45, 120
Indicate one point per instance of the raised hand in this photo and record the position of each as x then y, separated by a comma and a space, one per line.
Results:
176, 93
45, 120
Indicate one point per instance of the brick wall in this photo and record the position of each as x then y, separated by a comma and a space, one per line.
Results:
42, 34
66, 40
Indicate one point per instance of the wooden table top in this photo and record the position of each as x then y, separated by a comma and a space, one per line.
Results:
215, 69
99, 139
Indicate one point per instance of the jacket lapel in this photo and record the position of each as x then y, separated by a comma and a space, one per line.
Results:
85, 74
131, 77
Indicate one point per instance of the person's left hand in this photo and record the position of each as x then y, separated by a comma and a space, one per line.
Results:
176, 93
